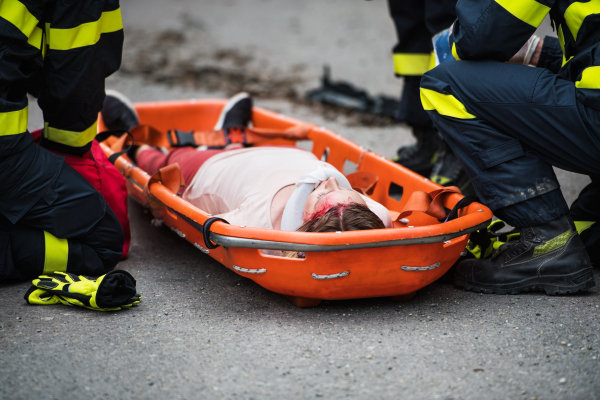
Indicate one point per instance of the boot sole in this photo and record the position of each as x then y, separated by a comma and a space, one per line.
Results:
552, 285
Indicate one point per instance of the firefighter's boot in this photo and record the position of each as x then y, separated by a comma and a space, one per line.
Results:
421, 156
549, 257
448, 171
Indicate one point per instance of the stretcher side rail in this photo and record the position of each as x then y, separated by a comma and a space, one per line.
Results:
230, 241
250, 243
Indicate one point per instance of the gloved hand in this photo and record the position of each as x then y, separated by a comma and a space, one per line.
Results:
442, 47
525, 53
109, 292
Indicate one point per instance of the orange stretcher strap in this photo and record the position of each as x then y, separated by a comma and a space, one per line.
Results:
363, 181
171, 177
431, 203
247, 136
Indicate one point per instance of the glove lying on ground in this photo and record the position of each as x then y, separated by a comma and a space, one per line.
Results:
109, 292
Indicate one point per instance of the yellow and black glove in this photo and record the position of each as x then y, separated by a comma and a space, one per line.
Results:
109, 292
484, 242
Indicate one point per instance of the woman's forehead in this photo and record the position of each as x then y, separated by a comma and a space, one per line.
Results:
344, 195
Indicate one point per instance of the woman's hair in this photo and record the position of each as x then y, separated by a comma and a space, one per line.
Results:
342, 217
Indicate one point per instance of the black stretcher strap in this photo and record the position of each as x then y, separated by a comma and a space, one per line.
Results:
206, 231
184, 139
464, 202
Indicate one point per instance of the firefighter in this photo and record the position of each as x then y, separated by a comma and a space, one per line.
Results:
51, 218
416, 22
509, 124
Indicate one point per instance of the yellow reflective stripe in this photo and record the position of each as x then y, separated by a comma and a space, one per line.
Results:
454, 53
71, 138
13, 122
57, 254
431, 61
577, 12
590, 78
561, 41
85, 34
36, 38
17, 14
528, 11
411, 63
581, 226
445, 104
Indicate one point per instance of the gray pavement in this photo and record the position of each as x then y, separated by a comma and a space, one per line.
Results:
204, 332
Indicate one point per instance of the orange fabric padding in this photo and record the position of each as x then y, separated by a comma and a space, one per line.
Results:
431, 203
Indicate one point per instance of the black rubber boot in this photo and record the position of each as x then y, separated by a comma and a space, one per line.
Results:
549, 257
448, 171
421, 156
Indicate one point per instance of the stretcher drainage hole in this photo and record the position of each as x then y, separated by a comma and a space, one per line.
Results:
395, 191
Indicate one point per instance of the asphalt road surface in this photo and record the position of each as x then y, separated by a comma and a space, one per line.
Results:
204, 332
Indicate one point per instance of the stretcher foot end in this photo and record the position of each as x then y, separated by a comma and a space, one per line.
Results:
404, 297
303, 301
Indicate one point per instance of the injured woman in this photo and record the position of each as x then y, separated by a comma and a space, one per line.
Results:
272, 187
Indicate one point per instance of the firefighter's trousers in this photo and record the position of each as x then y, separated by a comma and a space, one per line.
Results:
509, 124
70, 228
51, 219
416, 22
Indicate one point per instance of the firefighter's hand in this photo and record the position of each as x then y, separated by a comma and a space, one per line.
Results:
525, 54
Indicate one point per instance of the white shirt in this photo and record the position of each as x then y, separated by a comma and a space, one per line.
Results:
241, 184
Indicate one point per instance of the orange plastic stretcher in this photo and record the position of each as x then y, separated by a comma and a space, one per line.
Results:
344, 265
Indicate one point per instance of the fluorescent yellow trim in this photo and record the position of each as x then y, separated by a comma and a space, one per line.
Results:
71, 138
590, 78
411, 64
583, 225
454, 53
439, 179
431, 61
85, 34
36, 38
529, 11
57, 254
444, 104
13, 122
17, 14
46, 39
577, 12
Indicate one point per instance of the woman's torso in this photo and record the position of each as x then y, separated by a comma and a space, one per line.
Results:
242, 183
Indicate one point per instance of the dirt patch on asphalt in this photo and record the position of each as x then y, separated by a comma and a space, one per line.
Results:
186, 58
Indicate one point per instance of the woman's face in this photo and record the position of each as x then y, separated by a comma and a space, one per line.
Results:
328, 194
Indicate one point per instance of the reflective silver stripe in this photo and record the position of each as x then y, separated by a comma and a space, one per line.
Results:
427, 268
332, 276
178, 232
250, 271
202, 249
